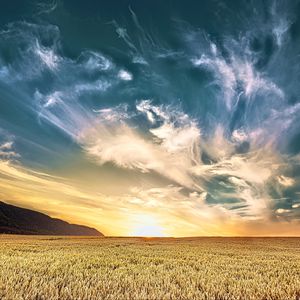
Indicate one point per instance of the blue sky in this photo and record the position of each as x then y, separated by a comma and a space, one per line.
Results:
141, 117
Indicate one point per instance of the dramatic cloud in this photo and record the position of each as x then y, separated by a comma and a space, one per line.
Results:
194, 133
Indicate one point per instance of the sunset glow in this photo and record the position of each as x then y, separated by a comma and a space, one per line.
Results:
183, 127
147, 226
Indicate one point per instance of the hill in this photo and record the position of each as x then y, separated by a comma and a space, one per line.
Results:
17, 220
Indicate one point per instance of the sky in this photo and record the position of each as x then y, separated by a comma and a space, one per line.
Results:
156, 118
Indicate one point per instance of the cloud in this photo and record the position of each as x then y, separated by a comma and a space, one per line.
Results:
126, 148
282, 210
214, 159
285, 181
47, 56
174, 150
106, 136
95, 61
236, 72
7, 151
125, 75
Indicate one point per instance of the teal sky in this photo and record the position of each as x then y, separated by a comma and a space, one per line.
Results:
181, 117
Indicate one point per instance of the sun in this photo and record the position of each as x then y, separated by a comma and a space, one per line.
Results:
147, 226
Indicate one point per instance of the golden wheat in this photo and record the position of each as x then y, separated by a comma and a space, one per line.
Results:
139, 268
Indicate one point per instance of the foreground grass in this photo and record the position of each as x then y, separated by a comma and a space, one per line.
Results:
136, 268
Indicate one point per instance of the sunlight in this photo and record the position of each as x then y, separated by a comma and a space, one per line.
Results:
147, 226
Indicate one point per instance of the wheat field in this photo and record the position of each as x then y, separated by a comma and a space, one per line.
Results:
142, 268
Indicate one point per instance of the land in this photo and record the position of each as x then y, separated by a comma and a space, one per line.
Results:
18, 220
47, 267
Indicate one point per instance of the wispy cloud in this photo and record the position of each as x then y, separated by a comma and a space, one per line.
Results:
223, 155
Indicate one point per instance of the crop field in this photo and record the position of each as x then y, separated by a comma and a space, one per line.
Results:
46, 267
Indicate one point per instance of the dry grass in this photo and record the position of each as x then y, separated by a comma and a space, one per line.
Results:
136, 268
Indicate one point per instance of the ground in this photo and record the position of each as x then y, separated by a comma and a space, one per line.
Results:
61, 268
